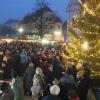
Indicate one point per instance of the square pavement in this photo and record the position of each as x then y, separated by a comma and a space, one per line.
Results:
28, 98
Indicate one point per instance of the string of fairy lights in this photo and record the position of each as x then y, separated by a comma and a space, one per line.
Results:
88, 45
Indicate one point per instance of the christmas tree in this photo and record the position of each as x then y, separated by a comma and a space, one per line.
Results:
84, 43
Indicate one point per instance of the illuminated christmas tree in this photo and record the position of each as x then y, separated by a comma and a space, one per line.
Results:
85, 34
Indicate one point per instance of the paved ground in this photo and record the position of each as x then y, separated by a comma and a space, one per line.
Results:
28, 98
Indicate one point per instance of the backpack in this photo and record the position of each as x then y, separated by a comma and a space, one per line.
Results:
72, 93
36, 90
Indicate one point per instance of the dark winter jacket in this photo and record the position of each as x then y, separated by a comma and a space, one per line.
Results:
7, 95
51, 97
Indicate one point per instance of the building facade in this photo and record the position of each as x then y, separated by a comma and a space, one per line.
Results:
13, 24
73, 9
43, 22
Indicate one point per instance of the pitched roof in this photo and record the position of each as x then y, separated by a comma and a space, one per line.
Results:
35, 15
40, 11
12, 21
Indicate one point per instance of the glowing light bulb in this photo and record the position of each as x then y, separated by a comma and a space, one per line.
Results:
85, 45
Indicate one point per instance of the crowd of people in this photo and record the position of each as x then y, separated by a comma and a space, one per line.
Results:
39, 71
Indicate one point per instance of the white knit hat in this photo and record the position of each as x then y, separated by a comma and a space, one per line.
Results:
55, 90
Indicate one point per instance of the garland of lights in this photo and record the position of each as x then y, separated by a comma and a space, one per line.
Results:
87, 46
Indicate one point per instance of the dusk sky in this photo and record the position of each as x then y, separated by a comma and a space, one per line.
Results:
17, 9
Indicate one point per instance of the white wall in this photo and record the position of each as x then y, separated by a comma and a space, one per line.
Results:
73, 9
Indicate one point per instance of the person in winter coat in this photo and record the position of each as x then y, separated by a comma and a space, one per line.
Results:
67, 84
36, 90
71, 69
54, 90
48, 73
7, 93
57, 67
17, 86
39, 76
24, 57
83, 85
28, 78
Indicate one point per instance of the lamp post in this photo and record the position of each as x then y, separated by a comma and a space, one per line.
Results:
20, 30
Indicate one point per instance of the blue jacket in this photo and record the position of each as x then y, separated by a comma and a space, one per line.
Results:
24, 57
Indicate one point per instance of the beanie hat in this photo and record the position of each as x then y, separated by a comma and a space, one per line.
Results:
55, 90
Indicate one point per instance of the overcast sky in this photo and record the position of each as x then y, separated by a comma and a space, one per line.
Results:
17, 9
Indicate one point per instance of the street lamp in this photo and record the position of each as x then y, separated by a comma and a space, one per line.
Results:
20, 30
57, 32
